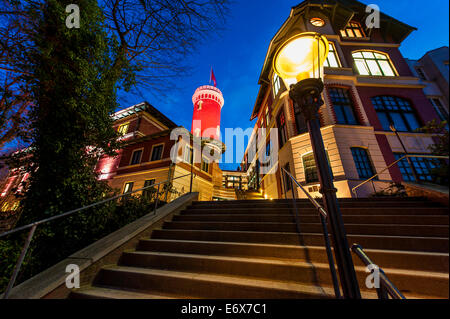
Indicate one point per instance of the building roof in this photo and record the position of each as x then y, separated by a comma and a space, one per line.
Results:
147, 107
340, 13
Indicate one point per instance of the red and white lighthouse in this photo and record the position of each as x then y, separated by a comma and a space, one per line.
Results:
208, 102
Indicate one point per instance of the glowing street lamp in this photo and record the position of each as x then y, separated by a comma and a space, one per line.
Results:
301, 57
299, 62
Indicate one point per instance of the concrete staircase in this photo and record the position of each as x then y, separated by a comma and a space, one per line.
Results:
251, 249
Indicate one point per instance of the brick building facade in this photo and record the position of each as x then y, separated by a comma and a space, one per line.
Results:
368, 86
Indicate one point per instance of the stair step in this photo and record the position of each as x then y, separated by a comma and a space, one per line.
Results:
97, 292
437, 262
431, 244
280, 270
306, 203
382, 229
203, 285
289, 218
313, 211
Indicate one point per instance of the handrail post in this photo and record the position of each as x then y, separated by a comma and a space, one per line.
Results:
382, 292
330, 257
156, 200
294, 201
19, 262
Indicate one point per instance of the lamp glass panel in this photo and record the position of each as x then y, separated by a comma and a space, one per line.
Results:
300, 58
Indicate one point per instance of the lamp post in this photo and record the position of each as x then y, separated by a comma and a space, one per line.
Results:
299, 62
394, 129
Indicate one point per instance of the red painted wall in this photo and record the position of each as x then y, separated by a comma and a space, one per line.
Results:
208, 117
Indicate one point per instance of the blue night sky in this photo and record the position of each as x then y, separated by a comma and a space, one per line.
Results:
238, 53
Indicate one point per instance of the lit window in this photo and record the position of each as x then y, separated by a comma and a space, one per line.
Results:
362, 162
309, 166
157, 153
317, 22
310, 169
15, 206
5, 206
343, 106
373, 63
136, 157
353, 30
392, 109
128, 188
276, 85
332, 60
123, 128
205, 164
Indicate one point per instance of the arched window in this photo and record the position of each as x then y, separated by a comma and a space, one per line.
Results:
392, 109
362, 162
373, 63
353, 30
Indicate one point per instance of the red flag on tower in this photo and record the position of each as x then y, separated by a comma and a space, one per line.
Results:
212, 78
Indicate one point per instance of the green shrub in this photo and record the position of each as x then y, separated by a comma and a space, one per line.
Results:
58, 239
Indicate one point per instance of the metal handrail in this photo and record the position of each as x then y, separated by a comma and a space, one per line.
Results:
386, 286
314, 202
388, 167
35, 224
323, 218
